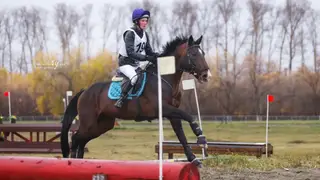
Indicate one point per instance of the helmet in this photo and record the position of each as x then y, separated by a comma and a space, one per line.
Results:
139, 13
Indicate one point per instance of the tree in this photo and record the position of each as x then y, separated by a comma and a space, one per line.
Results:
107, 23
183, 18
119, 27
10, 22
157, 17
23, 34
66, 20
294, 13
271, 27
204, 21
313, 35
227, 9
258, 11
87, 10
3, 37
312, 81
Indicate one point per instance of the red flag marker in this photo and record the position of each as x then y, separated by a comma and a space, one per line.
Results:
6, 94
270, 98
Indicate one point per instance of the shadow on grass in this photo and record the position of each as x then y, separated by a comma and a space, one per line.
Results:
303, 142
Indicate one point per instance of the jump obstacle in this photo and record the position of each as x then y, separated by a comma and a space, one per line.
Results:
214, 148
40, 143
34, 138
26, 168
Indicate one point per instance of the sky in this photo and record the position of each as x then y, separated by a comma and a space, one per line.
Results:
97, 4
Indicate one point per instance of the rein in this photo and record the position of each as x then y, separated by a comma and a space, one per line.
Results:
190, 63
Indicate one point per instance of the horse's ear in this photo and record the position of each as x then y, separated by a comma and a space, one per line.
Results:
198, 41
190, 40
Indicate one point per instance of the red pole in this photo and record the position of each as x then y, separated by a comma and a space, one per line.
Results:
34, 168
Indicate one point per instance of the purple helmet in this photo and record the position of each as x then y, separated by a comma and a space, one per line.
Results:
139, 13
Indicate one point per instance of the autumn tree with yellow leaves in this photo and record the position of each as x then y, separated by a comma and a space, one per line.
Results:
42, 90
247, 59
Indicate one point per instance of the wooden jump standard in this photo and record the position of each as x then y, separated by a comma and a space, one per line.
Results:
241, 148
39, 144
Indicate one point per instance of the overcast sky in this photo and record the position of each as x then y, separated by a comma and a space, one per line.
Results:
97, 4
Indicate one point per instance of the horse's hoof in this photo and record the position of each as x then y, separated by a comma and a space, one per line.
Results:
202, 141
197, 163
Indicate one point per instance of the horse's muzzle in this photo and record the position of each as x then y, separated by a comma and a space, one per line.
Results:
203, 76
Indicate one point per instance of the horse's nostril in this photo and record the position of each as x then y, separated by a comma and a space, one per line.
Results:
204, 75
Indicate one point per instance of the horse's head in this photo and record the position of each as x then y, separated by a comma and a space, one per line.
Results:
191, 59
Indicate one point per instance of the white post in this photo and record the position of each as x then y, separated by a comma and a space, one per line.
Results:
199, 116
64, 103
160, 123
165, 65
69, 93
9, 102
267, 124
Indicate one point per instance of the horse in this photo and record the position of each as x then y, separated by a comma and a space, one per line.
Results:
97, 113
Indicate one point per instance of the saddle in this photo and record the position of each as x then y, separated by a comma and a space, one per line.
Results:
119, 80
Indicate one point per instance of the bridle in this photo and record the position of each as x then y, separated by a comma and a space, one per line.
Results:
190, 61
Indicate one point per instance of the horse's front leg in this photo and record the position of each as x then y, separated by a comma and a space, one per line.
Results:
174, 113
177, 127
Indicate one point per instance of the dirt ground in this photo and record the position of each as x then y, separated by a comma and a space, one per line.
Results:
278, 174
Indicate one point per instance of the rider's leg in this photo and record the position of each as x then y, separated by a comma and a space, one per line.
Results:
130, 72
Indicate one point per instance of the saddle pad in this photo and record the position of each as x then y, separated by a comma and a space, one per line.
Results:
114, 92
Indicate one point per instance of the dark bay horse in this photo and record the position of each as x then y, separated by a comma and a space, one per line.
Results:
97, 112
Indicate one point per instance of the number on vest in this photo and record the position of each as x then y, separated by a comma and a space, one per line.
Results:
141, 47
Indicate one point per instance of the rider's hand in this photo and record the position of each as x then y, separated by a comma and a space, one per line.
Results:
156, 54
152, 59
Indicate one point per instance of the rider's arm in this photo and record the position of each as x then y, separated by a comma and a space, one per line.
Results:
148, 48
129, 41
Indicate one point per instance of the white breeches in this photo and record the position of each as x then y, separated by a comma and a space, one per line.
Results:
130, 71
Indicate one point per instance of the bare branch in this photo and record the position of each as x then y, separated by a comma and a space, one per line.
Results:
107, 23
66, 20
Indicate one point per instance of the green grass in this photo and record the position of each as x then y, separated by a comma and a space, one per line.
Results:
295, 143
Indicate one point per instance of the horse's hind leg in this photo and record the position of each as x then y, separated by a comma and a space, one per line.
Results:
82, 144
74, 145
78, 144
80, 137
103, 125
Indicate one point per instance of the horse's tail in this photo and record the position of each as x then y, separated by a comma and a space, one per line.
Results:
69, 115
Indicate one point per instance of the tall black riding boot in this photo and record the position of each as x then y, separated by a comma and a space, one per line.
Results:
124, 94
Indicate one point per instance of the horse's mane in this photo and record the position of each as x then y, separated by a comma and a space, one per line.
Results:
171, 46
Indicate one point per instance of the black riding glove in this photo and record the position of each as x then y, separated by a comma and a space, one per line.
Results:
152, 59
156, 54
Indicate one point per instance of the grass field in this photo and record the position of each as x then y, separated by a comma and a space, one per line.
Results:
296, 143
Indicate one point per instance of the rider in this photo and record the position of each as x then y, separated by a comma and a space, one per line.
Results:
135, 50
